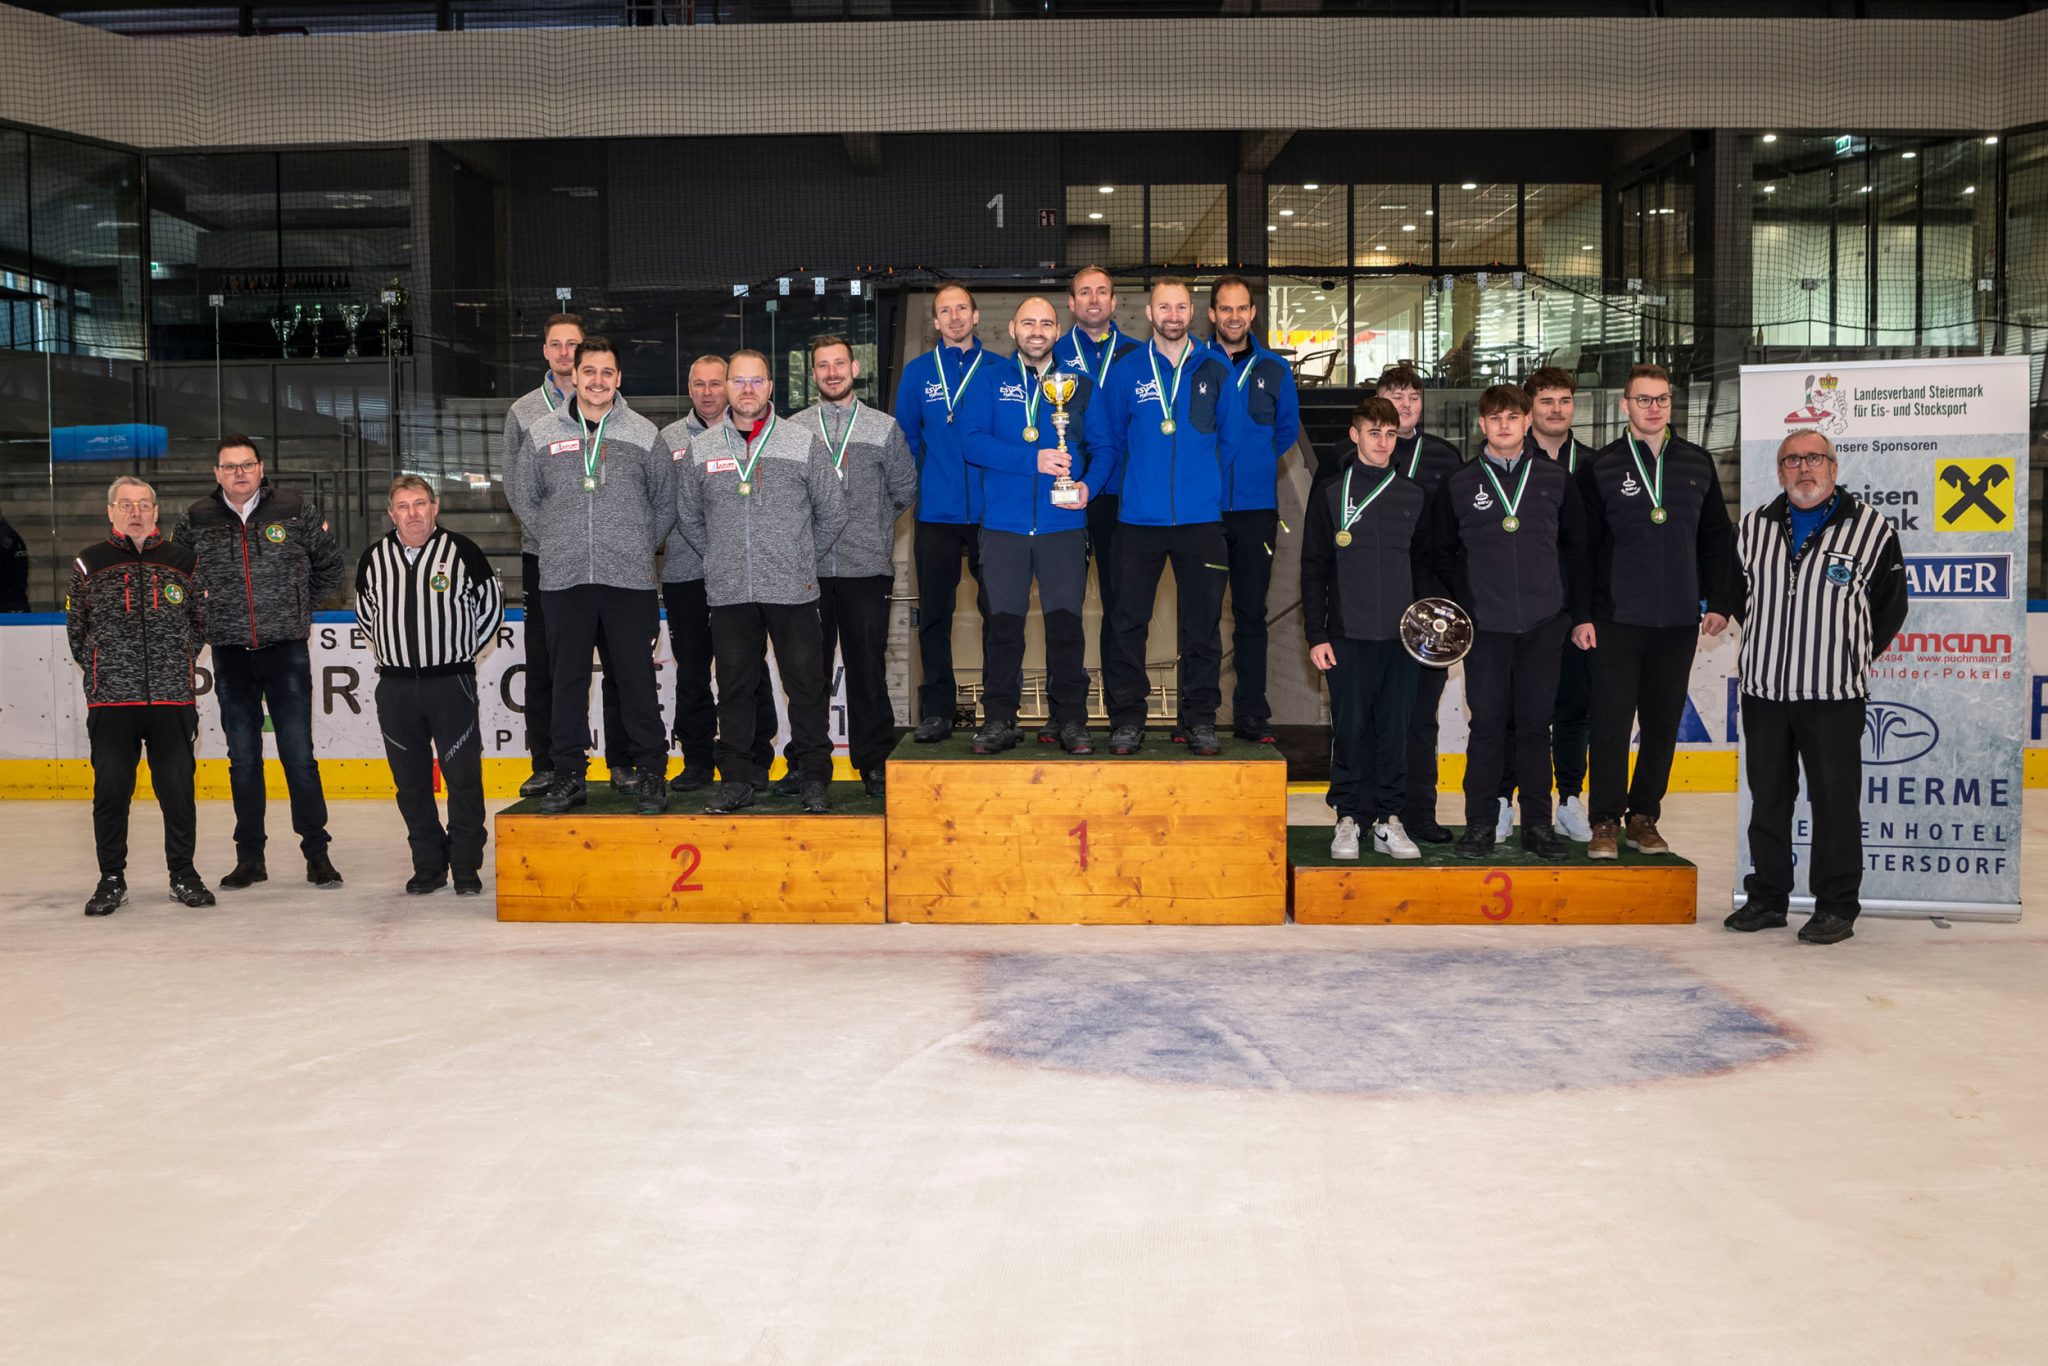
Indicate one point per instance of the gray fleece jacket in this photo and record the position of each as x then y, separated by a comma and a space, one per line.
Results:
880, 477
680, 562
607, 535
519, 420
763, 545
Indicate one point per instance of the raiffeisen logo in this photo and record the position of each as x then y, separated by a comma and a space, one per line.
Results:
1826, 407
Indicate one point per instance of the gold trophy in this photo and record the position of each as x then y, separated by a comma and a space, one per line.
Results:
1058, 388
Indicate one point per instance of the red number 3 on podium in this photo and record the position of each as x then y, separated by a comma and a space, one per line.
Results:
1503, 896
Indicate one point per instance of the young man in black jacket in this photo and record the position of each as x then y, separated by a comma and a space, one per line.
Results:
1364, 560
1510, 541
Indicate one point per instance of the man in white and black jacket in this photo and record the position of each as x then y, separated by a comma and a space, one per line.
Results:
1658, 531
1822, 593
760, 501
430, 603
1510, 542
594, 484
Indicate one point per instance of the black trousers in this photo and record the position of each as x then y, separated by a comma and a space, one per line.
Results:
740, 635
853, 620
275, 681
621, 624
118, 736
424, 719
1511, 675
1103, 525
695, 726
1199, 574
1420, 806
1639, 675
1779, 740
936, 548
1058, 561
1248, 544
1567, 726
1372, 689
540, 684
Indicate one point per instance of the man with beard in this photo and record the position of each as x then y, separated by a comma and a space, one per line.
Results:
1091, 345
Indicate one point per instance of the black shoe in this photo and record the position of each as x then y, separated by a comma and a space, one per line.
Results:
1075, 739
790, 784
538, 784
419, 884
321, 873
689, 780
1126, 739
995, 736
1544, 842
625, 781
188, 890
1425, 830
1048, 734
931, 730
248, 872
1753, 917
565, 793
1258, 732
468, 882
1179, 734
108, 896
1202, 740
1476, 842
1825, 927
729, 797
652, 794
874, 781
817, 799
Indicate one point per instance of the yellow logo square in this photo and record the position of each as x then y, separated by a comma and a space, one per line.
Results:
1973, 495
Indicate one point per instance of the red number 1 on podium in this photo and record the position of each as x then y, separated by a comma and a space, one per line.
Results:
1080, 832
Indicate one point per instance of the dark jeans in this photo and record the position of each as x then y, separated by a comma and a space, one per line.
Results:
1248, 541
540, 684
118, 735
1639, 676
1511, 675
1372, 689
277, 679
1420, 806
620, 623
422, 718
696, 720
1059, 562
936, 549
1103, 525
1825, 739
1199, 574
740, 635
1567, 726
853, 619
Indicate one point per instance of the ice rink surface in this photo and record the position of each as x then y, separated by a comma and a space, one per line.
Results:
356, 1127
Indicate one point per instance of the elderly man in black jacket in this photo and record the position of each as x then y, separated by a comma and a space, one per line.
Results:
265, 560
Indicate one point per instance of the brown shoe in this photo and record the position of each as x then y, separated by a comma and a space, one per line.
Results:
1606, 841
1643, 836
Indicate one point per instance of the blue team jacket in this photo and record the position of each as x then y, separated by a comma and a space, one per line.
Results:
1077, 354
1169, 478
947, 491
1016, 497
1261, 418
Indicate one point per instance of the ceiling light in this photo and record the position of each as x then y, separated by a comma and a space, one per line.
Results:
1105, 189
1287, 213
1272, 227
1311, 186
1991, 141
1907, 156
1379, 248
1429, 213
1588, 246
1469, 185
1770, 189
1770, 137
1864, 190
1393, 208
1095, 215
1407, 227
1969, 189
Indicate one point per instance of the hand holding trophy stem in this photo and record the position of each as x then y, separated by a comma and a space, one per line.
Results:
1059, 390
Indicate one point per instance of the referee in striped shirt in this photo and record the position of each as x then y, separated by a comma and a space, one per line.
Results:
431, 603
1823, 593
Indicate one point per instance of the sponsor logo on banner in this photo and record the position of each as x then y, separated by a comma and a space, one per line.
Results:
1824, 408
1981, 577
1973, 495
1894, 733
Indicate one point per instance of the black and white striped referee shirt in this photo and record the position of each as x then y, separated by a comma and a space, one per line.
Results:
1812, 622
430, 613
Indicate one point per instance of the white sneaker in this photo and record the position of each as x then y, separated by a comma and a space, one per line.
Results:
1344, 843
1389, 838
1572, 822
1506, 824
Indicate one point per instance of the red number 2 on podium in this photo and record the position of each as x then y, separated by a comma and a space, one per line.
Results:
682, 882
1080, 832
1504, 895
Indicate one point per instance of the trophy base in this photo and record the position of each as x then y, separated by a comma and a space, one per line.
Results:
1066, 498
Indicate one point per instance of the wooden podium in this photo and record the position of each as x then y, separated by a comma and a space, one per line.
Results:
1508, 888
1036, 835
770, 864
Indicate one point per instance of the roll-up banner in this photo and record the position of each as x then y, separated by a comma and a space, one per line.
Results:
1940, 448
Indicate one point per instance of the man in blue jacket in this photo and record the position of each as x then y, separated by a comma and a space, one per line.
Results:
928, 403
1261, 418
1091, 344
1156, 422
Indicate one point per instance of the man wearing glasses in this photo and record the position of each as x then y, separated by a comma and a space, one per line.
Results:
1659, 533
1822, 593
264, 560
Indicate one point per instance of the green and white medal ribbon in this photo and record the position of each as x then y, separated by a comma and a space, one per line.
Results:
953, 395
593, 449
1512, 522
1108, 355
845, 439
1656, 487
759, 444
1167, 401
1352, 514
1031, 392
